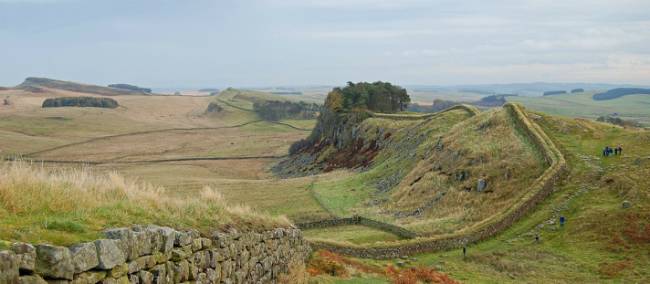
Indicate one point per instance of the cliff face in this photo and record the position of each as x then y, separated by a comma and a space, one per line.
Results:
334, 143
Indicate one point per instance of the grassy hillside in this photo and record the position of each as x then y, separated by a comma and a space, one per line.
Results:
39, 83
65, 207
602, 241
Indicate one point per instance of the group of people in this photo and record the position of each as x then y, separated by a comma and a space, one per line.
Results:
609, 151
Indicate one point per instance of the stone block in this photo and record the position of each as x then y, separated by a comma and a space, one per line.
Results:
84, 257
54, 262
9, 264
26, 255
109, 253
90, 277
31, 279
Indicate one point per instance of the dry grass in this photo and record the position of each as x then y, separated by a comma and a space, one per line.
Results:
66, 206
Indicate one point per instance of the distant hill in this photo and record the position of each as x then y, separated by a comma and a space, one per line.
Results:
33, 82
209, 90
553, 93
620, 92
130, 88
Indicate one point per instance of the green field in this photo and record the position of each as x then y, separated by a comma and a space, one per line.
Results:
634, 107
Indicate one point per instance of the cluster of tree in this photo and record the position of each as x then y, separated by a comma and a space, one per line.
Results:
277, 110
620, 92
80, 102
378, 97
213, 107
131, 88
618, 121
552, 93
578, 90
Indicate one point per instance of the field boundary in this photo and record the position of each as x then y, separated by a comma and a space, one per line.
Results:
358, 220
538, 191
158, 131
471, 109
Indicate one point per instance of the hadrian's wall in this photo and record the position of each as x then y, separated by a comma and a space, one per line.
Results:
153, 254
358, 220
536, 193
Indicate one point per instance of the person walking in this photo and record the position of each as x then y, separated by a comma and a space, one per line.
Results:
620, 149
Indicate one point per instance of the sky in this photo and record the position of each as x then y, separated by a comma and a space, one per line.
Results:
197, 43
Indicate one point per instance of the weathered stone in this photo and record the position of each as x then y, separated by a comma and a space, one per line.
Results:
196, 245
146, 277
109, 253
141, 244
84, 257
125, 236
626, 204
167, 237
90, 277
26, 255
54, 262
194, 271
134, 279
212, 276
121, 280
202, 278
9, 264
179, 254
161, 257
30, 279
206, 243
119, 270
57, 281
160, 274
183, 239
181, 271
140, 263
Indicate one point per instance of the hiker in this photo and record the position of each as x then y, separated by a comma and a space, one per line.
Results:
606, 151
464, 251
482, 184
562, 221
620, 149
537, 238
616, 151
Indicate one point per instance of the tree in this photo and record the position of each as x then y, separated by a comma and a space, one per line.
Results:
378, 96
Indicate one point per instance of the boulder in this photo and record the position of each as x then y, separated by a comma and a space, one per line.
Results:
26, 254
54, 262
626, 204
109, 253
84, 257
8, 267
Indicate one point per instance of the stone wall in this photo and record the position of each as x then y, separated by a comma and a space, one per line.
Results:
153, 254
470, 109
358, 220
538, 191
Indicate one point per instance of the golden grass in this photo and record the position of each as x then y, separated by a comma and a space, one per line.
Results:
65, 206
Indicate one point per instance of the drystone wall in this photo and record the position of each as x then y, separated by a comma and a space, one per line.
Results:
470, 109
539, 190
358, 220
153, 254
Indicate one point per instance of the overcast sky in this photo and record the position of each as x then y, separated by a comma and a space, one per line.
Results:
299, 42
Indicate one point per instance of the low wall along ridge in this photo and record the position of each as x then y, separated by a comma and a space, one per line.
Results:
539, 190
